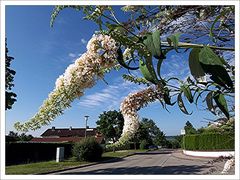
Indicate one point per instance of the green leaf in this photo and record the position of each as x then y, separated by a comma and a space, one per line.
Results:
221, 103
148, 42
194, 64
153, 44
122, 62
187, 92
145, 72
209, 101
173, 40
150, 67
159, 67
213, 65
167, 98
211, 34
220, 76
181, 104
157, 44
208, 57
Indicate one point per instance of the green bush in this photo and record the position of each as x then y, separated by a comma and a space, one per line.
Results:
212, 141
118, 148
143, 144
87, 150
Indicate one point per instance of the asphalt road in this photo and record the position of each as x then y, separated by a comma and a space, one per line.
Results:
151, 163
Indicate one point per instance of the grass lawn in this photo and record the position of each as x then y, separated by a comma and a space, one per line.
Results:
44, 167
40, 167
119, 154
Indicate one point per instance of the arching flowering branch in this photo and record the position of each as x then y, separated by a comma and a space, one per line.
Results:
83, 73
129, 107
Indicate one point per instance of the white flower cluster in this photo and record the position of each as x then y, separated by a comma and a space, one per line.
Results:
129, 107
228, 165
101, 54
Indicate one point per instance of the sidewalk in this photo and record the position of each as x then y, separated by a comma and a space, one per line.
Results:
217, 164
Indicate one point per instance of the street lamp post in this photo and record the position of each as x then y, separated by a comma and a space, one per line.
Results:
86, 119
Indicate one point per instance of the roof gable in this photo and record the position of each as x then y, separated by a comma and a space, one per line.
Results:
69, 132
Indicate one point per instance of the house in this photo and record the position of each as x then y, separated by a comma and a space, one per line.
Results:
60, 135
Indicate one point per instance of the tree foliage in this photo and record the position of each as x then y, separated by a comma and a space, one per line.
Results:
151, 32
149, 133
110, 124
87, 150
189, 129
9, 77
13, 136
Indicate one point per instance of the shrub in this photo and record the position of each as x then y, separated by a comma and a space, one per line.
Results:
118, 148
143, 144
87, 150
212, 141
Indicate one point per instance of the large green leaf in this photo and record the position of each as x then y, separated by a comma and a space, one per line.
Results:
157, 44
153, 43
209, 101
194, 64
187, 92
221, 103
150, 67
220, 76
173, 40
213, 65
148, 42
181, 104
166, 97
122, 62
208, 57
146, 73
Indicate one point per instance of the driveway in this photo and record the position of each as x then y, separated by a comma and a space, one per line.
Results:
154, 162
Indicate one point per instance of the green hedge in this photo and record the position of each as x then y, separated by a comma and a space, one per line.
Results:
213, 141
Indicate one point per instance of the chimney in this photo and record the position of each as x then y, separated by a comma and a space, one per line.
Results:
53, 128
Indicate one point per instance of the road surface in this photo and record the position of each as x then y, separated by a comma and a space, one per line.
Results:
160, 162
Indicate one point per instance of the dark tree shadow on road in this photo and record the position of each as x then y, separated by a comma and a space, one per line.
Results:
170, 170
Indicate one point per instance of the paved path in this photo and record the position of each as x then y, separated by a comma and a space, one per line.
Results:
154, 162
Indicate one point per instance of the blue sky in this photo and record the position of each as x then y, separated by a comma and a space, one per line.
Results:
42, 54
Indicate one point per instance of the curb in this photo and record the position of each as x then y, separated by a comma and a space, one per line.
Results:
86, 165
191, 158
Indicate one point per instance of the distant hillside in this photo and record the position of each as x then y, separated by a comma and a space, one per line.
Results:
170, 138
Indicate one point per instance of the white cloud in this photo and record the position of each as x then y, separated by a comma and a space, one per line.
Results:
83, 41
111, 96
175, 66
72, 55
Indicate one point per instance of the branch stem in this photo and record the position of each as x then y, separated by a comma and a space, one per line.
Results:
191, 45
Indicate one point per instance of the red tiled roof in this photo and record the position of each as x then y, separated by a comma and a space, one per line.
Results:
63, 139
67, 132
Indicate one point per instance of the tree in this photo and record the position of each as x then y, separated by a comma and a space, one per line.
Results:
9, 76
182, 28
14, 136
147, 37
149, 131
189, 129
110, 123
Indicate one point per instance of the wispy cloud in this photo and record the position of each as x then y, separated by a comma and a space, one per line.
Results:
175, 65
83, 41
111, 96
72, 55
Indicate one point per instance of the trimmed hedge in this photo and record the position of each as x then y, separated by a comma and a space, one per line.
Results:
213, 141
